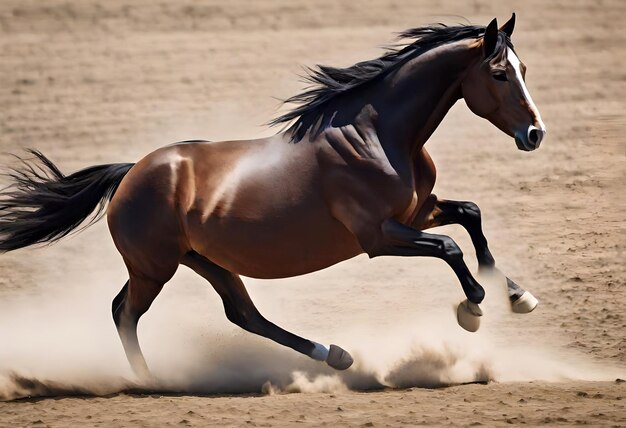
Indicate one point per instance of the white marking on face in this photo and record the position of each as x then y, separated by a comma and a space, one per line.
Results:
515, 62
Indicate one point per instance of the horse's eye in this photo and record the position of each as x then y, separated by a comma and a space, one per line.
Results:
500, 75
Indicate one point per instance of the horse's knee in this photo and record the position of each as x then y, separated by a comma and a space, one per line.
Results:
471, 209
450, 249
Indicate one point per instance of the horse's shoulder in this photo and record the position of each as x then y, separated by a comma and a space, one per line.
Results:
357, 143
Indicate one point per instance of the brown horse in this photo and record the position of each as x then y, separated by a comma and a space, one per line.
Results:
350, 175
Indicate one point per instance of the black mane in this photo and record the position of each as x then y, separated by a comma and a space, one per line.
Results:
329, 82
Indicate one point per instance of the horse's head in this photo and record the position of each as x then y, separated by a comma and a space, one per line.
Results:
494, 88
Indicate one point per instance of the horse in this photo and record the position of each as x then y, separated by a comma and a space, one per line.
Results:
347, 174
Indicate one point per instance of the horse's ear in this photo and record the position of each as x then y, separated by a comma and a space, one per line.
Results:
490, 38
509, 26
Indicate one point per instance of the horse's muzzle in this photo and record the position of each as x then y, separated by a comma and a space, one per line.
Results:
531, 140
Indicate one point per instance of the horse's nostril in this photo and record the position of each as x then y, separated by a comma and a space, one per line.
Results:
535, 135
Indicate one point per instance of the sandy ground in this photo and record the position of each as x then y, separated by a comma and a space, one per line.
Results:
98, 82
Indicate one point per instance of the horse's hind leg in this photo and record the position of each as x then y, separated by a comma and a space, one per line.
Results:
438, 212
241, 310
128, 306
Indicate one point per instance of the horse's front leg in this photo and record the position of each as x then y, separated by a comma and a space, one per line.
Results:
438, 212
397, 239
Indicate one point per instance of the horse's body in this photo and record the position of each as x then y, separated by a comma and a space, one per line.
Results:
253, 207
261, 208
350, 176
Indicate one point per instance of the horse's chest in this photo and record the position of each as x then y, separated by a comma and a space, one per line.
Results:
368, 192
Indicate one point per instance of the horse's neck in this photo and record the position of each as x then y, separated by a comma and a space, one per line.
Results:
418, 95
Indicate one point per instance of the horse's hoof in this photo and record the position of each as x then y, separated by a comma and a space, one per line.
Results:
525, 304
338, 358
468, 315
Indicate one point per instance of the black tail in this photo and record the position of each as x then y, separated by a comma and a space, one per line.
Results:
43, 205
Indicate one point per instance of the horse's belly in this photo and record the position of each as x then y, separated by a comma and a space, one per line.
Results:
275, 249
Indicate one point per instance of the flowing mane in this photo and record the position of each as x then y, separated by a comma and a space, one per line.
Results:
327, 83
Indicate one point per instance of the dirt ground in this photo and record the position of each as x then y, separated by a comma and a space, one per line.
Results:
91, 82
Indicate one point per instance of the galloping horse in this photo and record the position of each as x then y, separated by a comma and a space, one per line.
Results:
349, 175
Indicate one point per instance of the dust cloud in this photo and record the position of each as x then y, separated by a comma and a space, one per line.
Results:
64, 342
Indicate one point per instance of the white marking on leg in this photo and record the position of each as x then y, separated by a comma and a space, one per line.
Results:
515, 62
525, 304
320, 353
